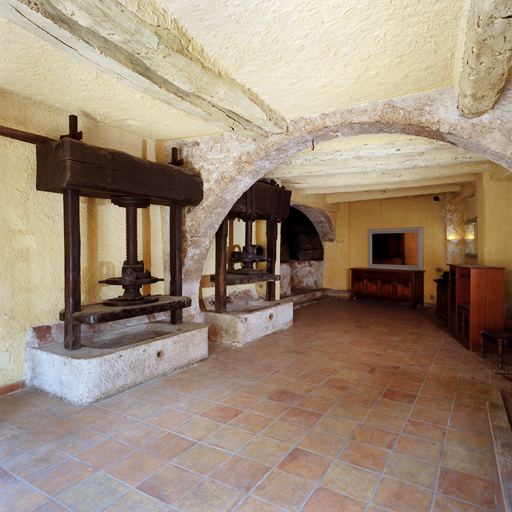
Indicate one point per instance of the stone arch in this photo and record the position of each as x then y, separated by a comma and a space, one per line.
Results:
230, 164
321, 220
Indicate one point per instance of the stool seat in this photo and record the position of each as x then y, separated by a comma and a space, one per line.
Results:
494, 336
502, 339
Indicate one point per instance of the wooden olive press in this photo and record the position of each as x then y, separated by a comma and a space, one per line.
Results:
265, 200
75, 169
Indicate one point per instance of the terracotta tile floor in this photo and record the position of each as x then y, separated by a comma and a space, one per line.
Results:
358, 407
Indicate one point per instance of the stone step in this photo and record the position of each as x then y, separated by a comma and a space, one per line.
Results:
304, 296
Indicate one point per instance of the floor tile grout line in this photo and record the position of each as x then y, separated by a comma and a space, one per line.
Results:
444, 444
401, 431
109, 436
317, 484
446, 437
337, 458
296, 378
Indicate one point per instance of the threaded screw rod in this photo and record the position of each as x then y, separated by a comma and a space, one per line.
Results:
131, 235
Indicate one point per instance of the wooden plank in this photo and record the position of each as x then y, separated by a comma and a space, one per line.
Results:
101, 172
364, 176
271, 255
388, 163
31, 138
99, 313
220, 266
233, 278
262, 201
72, 287
502, 441
176, 236
383, 183
348, 197
159, 59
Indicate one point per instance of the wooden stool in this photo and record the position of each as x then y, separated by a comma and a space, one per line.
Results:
502, 339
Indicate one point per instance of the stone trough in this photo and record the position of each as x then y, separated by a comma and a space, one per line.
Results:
111, 360
248, 321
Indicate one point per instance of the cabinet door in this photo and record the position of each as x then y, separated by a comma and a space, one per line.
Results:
357, 283
404, 289
463, 326
371, 286
388, 288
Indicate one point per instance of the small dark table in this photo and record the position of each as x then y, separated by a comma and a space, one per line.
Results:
502, 339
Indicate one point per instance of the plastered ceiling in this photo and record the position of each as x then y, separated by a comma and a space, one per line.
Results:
306, 57
299, 58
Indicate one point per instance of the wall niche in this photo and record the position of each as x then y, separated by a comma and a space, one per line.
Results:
302, 254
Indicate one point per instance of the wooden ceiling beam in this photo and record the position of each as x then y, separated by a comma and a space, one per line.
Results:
487, 56
350, 197
392, 185
370, 178
162, 62
368, 149
386, 163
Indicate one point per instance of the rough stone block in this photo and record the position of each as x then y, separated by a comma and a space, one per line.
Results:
241, 327
307, 274
85, 376
285, 283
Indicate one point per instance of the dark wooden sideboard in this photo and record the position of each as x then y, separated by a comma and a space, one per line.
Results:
390, 285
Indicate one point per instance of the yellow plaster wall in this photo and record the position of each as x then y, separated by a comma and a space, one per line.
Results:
314, 201
31, 230
355, 219
337, 253
494, 207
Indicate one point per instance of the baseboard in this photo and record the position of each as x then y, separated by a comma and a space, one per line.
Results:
11, 388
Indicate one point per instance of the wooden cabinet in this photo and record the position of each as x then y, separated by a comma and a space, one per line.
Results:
476, 302
442, 297
391, 285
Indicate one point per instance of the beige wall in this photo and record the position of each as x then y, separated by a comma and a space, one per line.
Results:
32, 234
337, 253
494, 207
407, 212
353, 220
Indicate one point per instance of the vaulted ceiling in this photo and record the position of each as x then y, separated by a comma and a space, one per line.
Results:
177, 69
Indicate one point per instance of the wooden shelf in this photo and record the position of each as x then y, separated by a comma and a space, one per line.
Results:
476, 302
99, 313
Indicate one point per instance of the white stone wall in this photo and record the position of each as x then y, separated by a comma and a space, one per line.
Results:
307, 274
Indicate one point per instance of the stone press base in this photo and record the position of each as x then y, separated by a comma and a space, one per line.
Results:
256, 320
85, 376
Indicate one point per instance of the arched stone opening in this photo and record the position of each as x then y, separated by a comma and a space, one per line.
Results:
230, 164
300, 239
302, 252
321, 220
